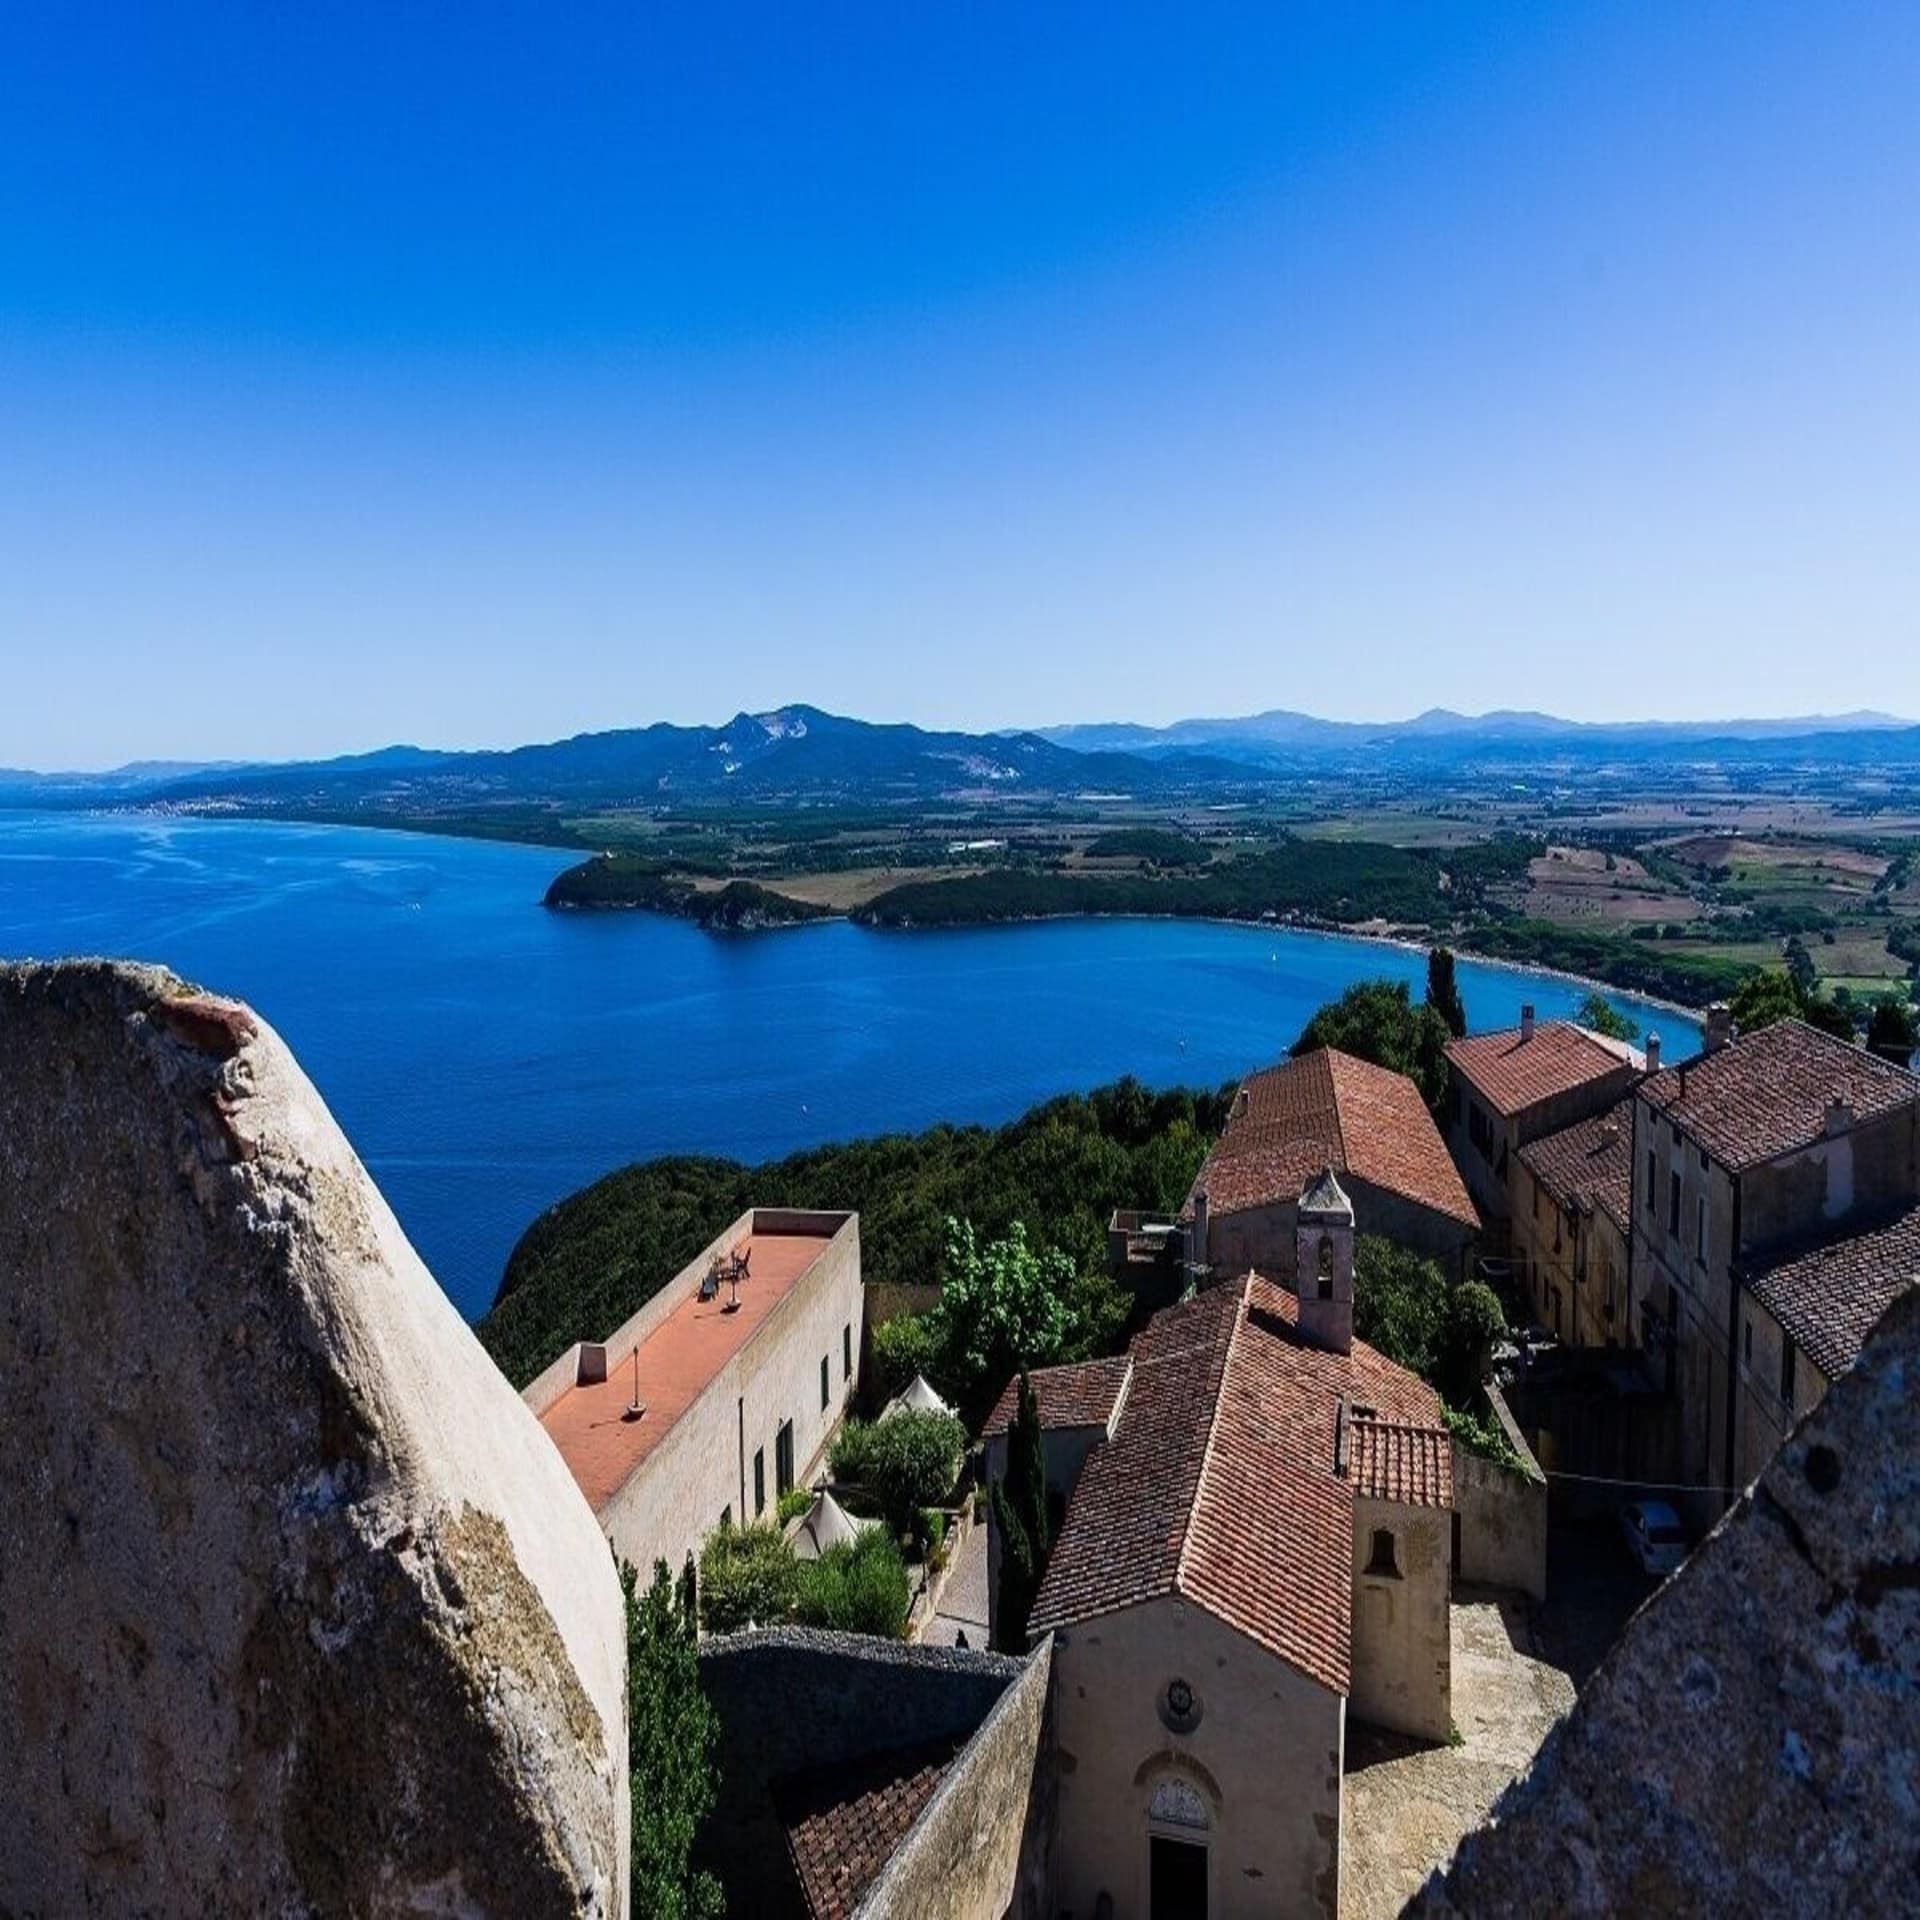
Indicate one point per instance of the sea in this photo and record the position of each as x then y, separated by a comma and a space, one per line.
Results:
487, 1056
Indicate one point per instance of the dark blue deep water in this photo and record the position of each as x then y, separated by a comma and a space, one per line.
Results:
486, 1057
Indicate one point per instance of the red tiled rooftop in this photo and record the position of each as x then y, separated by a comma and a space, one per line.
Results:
1591, 1163
1514, 1071
1766, 1093
1830, 1294
1328, 1108
1393, 1460
678, 1360
1081, 1394
1220, 1480
844, 1822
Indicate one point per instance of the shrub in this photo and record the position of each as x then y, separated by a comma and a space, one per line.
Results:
1400, 1303
857, 1587
1481, 1433
747, 1578
793, 1503
912, 1460
930, 1530
852, 1453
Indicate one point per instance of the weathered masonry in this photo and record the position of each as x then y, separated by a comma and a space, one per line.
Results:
721, 1392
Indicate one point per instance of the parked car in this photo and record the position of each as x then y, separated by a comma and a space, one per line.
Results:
1654, 1535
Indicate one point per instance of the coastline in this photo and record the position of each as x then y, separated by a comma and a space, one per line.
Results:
1405, 943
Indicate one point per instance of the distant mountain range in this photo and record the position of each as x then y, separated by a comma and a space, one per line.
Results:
802, 755
1258, 735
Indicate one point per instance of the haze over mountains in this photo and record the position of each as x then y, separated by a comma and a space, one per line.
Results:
800, 753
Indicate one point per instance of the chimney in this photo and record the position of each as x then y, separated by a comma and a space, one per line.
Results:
1719, 1026
1242, 1101
1323, 1264
1653, 1053
1199, 1247
1526, 1021
1609, 1133
1839, 1116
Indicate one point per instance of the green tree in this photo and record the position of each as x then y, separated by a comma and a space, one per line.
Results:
907, 1344
1764, 997
1475, 1321
747, 1579
1598, 1014
1443, 991
673, 1734
908, 1461
1378, 1021
1891, 1031
1833, 1016
1023, 1522
1399, 1303
1003, 1305
858, 1586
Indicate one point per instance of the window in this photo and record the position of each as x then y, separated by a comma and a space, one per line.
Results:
1536, 1199
846, 1352
1653, 1183
1786, 1369
783, 1457
1673, 1203
1746, 1357
1700, 1228
826, 1391
1381, 1562
759, 1481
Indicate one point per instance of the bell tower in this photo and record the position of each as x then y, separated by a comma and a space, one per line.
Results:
1323, 1263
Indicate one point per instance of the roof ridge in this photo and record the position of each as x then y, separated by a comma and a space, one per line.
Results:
1339, 1119
1219, 1394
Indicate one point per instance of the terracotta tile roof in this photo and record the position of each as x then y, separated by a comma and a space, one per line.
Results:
1327, 1108
1829, 1295
1083, 1394
843, 1822
1220, 1484
1591, 1162
1512, 1073
678, 1362
1766, 1093
1392, 1460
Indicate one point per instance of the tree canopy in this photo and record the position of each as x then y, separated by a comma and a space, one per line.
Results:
1443, 991
1378, 1020
672, 1736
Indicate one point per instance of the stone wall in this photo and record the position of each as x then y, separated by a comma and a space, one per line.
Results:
1751, 1743
300, 1611
1502, 1514
981, 1846
791, 1698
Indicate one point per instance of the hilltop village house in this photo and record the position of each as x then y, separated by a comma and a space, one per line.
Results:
1506, 1089
1326, 1109
1776, 1178
1257, 1535
723, 1390
1572, 1229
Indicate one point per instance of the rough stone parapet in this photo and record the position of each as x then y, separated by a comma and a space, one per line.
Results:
300, 1613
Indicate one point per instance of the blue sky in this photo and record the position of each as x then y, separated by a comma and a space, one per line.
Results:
474, 374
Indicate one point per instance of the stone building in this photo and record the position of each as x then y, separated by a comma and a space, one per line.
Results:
739, 1367
1327, 1109
1508, 1088
864, 1777
1257, 1535
1772, 1179
1572, 1228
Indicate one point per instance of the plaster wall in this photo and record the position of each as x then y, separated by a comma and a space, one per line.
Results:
1265, 1755
1402, 1653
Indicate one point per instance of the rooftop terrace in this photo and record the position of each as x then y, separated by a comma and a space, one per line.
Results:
682, 1343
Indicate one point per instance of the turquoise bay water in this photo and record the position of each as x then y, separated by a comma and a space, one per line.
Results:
486, 1057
